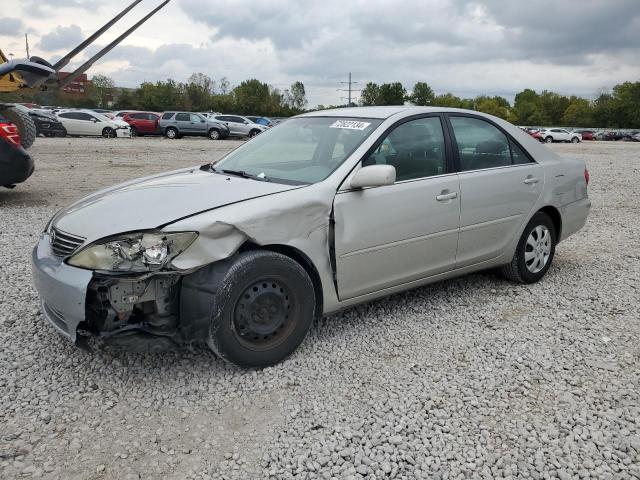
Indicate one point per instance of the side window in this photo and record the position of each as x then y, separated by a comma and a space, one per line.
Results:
236, 119
182, 117
86, 117
416, 149
480, 144
138, 116
196, 118
152, 117
167, 116
66, 115
518, 156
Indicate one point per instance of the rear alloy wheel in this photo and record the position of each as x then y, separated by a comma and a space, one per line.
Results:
263, 308
171, 133
214, 134
108, 132
548, 140
535, 251
575, 140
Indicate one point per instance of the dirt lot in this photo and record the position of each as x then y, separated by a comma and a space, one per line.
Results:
470, 378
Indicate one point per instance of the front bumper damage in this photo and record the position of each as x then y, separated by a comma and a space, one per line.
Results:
139, 313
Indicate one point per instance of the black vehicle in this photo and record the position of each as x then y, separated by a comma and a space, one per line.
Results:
15, 163
47, 125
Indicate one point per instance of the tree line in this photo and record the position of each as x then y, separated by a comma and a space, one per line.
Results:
619, 108
200, 93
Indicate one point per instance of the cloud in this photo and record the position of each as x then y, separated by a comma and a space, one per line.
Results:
42, 8
61, 38
10, 26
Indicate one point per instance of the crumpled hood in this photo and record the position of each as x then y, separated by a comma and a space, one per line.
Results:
154, 201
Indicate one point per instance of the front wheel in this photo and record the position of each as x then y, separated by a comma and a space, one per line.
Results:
134, 132
548, 140
253, 133
575, 140
263, 310
214, 134
108, 132
535, 251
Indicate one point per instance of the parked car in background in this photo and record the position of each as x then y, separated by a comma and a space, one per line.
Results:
142, 123
47, 124
103, 111
240, 126
550, 135
177, 124
636, 137
261, 121
586, 134
16, 165
89, 123
120, 113
329, 210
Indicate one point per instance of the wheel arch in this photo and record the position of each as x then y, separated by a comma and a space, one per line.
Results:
556, 218
300, 258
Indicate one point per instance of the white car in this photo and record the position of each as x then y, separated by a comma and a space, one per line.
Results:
90, 123
550, 135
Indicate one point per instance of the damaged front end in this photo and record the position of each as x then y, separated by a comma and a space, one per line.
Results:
138, 313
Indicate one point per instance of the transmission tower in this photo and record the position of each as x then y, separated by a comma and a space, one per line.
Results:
349, 89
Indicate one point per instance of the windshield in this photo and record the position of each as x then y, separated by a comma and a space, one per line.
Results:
301, 150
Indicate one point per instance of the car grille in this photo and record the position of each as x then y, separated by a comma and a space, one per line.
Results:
64, 244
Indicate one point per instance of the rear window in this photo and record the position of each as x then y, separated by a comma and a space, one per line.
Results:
167, 116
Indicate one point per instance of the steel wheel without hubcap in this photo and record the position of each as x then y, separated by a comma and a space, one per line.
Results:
261, 314
537, 249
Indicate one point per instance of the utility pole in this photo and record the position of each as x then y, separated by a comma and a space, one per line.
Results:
26, 42
349, 89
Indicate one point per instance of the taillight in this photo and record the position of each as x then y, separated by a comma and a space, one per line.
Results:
10, 133
586, 176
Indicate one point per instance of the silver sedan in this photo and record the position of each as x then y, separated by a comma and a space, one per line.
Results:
327, 210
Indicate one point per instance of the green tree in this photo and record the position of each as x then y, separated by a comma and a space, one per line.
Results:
200, 88
448, 100
369, 94
298, 96
422, 94
626, 103
496, 106
102, 88
252, 97
391, 94
579, 113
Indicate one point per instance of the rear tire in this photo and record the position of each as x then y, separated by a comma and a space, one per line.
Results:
548, 140
575, 140
253, 133
134, 132
262, 311
535, 251
25, 124
171, 133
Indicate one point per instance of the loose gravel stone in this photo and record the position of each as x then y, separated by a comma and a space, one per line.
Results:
469, 378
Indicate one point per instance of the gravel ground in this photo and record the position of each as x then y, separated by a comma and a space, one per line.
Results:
468, 378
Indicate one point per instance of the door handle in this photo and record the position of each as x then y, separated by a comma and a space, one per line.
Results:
531, 180
443, 197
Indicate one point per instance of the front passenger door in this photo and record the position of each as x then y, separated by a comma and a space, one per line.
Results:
390, 235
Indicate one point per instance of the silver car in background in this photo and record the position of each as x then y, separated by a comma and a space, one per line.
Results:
241, 126
331, 209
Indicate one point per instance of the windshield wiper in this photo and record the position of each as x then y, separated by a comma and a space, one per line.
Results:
242, 173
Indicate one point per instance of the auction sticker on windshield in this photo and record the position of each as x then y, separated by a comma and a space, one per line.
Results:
350, 124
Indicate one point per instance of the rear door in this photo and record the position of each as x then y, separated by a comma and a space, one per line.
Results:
72, 123
394, 234
183, 122
499, 185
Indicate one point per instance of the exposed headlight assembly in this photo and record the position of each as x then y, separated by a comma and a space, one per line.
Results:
135, 252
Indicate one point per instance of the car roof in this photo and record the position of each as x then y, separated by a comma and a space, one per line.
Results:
384, 112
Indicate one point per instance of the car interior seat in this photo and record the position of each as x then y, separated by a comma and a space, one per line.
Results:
488, 154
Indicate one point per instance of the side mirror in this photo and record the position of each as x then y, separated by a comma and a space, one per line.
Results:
374, 176
246, 123
95, 120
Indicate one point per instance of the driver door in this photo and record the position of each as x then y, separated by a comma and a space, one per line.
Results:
390, 235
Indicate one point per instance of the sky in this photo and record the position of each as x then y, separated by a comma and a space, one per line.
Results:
494, 47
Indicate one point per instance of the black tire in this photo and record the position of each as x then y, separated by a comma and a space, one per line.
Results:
253, 133
517, 270
25, 124
214, 134
134, 132
171, 133
108, 132
63, 133
263, 311
548, 139
575, 140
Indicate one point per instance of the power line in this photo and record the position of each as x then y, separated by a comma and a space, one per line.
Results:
349, 83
